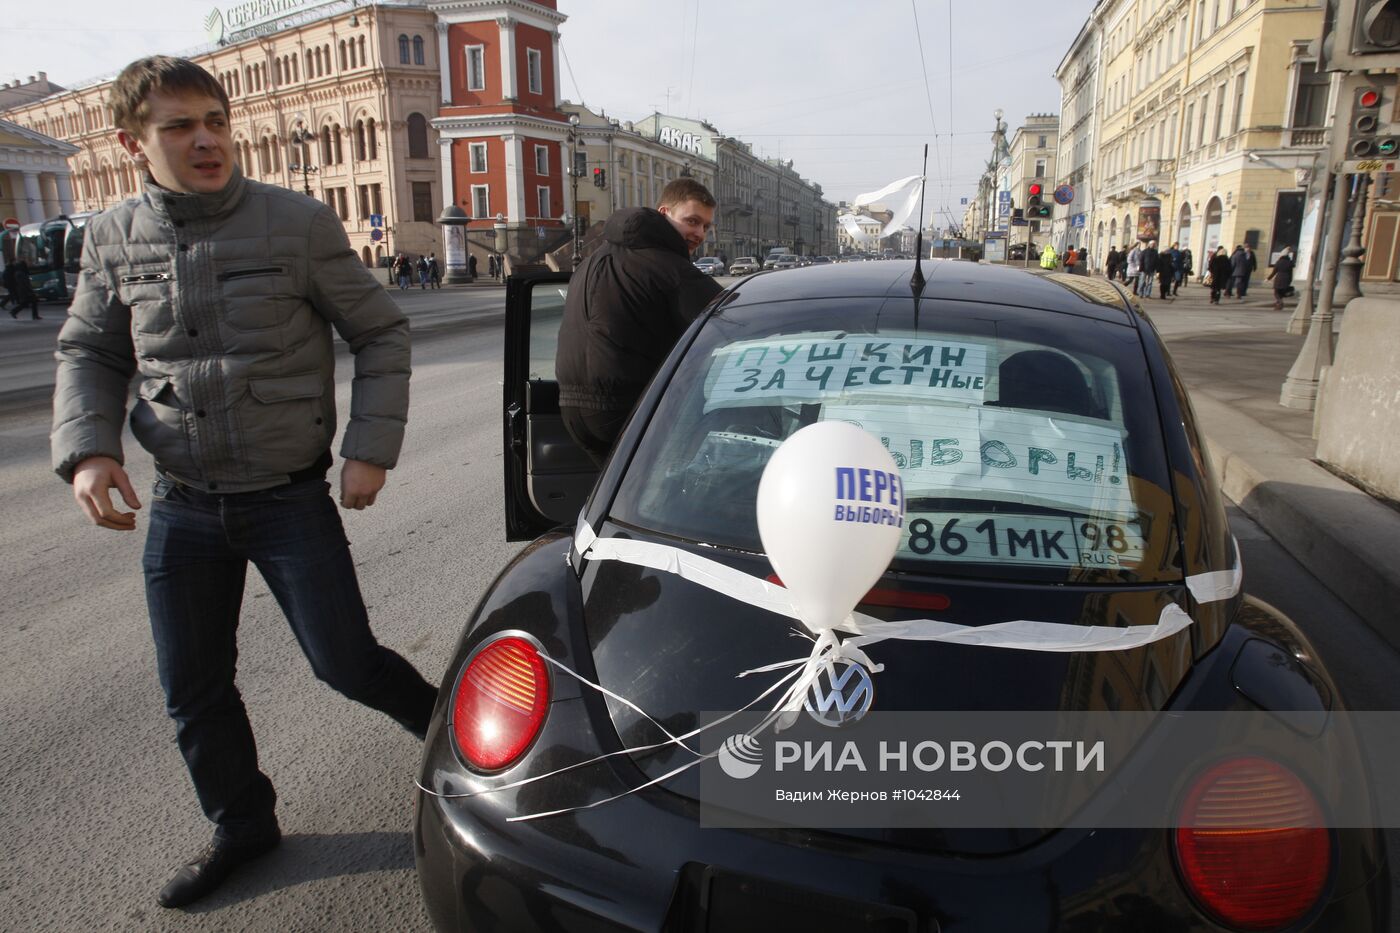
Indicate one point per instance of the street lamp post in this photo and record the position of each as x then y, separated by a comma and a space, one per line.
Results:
303, 139
573, 188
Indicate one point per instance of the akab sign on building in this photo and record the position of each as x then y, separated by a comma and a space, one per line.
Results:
687, 136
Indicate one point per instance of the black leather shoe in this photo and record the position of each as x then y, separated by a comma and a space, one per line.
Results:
206, 871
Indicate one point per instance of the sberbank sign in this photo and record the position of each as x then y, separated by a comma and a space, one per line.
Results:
221, 24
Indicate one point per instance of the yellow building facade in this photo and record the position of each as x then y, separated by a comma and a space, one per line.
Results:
1212, 125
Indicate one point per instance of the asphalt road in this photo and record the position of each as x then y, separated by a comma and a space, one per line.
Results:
98, 810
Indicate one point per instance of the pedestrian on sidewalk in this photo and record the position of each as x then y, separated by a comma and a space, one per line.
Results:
1184, 275
1083, 260
242, 448
402, 271
633, 298
1132, 271
422, 273
471, 267
1071, 260
1281, 274
1218, 274
1166, 275
1111, 263
1150, 263
7, 279
22, 292
1251, 265
1240, 268
1048, 259
434, 271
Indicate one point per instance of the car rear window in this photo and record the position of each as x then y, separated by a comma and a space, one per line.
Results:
1028, 442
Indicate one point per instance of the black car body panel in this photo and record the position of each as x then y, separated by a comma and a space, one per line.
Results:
643, 862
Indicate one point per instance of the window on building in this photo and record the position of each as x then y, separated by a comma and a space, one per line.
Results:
1205, 114
1239, 102
1187, 124
423, 202
476, 67
1219, 112
478, 156
1310, 103
541, 161
403, 50
344, 63
1200, 20
372, 137
360, 154
542, 201
535, 70
361, 44
1040, 144
580, 163
326, 151
481, 200
335, 141
362, 191
417, 50
1040, 166
417, 136
374, 199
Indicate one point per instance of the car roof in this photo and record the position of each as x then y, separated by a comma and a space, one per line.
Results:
946, 280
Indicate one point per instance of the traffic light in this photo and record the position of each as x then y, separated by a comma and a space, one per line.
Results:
600, 177
1371, 135
1035, 201
1365, 35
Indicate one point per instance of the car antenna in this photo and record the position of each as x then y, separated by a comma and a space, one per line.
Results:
916, 282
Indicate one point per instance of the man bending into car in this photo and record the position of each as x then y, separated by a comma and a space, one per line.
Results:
627, 305
222, 292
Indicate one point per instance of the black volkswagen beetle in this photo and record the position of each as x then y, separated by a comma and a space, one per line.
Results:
971, 380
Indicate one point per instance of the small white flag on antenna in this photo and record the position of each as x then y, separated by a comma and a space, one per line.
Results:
900, 197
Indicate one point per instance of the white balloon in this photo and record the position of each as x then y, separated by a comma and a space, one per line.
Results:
830, 515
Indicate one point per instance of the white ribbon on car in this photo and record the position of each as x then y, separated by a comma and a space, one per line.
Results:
828, 648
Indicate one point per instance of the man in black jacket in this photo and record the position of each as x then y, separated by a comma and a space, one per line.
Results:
628, 303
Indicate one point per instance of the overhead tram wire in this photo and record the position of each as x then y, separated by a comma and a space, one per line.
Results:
928, 95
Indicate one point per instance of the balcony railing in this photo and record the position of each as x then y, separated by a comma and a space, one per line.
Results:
1306, 136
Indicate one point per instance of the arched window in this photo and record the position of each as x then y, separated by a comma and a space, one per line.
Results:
326, 55
417, 136
1212, 233
362, 50
364, 255
343, 63
417, 50
372, 138
403, 50
326, 145
276, 155
264, 157
360, 140
1183, 225
335, 141
296, 69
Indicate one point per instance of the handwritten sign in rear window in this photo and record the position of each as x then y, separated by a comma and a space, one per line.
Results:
998, 453
822, 367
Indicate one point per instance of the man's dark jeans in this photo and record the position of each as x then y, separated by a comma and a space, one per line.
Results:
196, 559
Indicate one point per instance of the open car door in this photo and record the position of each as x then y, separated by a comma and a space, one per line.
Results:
548, 477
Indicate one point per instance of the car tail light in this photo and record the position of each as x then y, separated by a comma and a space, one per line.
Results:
500, 703
1251, 844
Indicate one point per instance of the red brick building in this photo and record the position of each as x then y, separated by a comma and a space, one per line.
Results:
504, 140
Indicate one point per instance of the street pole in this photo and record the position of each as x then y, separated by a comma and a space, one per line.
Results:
1349, 283
1300, 388
573, 188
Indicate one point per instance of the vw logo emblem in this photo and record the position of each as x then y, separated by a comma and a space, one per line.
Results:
842, 693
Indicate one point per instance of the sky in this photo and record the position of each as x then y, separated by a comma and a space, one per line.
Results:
844, 90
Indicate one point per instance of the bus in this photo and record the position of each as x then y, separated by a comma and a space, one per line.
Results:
51, 249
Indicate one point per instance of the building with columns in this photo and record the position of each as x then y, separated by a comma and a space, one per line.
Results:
346, 90
502, 134
35, 180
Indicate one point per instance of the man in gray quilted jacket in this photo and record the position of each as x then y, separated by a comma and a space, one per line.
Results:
222, 293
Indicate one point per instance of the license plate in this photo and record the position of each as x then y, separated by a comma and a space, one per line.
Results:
1039, 540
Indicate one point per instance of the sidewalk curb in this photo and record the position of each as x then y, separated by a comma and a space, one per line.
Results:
1344, 537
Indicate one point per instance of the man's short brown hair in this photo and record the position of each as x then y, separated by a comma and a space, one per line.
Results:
686, 189
130, 108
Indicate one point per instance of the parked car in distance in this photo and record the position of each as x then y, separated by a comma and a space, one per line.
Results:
819, 260
782, 261
744, 265
710, 265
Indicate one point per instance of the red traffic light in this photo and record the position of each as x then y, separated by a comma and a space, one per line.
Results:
1034, 188
1369, 98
